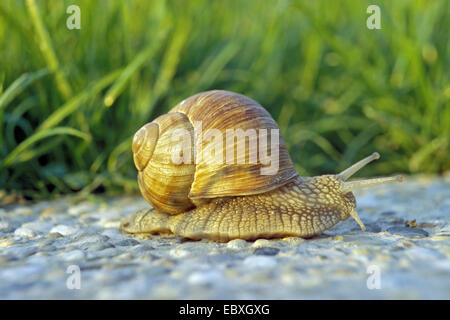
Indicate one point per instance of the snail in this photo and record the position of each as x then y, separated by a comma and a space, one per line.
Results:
223, 200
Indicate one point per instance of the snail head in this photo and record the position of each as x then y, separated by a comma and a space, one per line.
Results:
339, 189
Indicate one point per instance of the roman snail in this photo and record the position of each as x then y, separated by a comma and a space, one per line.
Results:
201, 186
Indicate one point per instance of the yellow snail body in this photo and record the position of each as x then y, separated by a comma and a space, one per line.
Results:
236, 199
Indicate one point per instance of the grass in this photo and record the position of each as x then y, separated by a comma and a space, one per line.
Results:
71, 100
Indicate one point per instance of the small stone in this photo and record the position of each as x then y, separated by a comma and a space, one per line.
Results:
411, 224
55, 235
113, 233
89, 220
105, 253
180, 253
441, 238
23, 211
92, 246
127, 243
23, 252
48, 248
407, 244
424, 254
237, 244
73, 255
38, 226
88, 240
79, 209
4, 259
261, 243
4, 226
361, 252
126, 256
24, 232
63, 230
48, 211
266, 251
408, 232
205, 277
111, 224
5, 243
260, 262
293, 240
426, 225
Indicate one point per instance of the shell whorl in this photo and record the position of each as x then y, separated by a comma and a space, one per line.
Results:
144, 143
163, 183
175, 188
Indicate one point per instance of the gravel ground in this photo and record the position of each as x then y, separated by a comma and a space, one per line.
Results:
43, 245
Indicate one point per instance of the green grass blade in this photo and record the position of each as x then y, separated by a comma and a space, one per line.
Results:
133, 67
73, 105
19, 85
47, 50
30, 141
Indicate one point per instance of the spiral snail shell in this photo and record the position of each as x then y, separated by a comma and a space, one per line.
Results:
244, 186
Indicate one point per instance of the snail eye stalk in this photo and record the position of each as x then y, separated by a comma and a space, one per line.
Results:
354, 185
347, 173
348, 186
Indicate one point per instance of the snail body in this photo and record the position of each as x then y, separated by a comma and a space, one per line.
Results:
241, 196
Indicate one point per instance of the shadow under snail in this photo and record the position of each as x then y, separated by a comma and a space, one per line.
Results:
232, 199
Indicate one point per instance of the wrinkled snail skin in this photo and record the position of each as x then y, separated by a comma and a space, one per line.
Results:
232, 201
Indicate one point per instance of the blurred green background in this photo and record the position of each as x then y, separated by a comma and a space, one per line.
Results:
71, 100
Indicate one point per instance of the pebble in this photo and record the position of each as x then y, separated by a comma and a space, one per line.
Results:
293, 240
22, 252
22, 211
39, 226
205, 277
408, 232
127, 243
48, 211
24, 232
111, 224
55, 235
260, 262
237, 244
266, 251
86, 240
103, 253
5, 243
96, 246
4, 226
261, 243
180, 253
63, 230
81, 208
73, 255
425, 254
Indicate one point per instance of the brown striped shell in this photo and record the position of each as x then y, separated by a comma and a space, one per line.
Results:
175, 187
